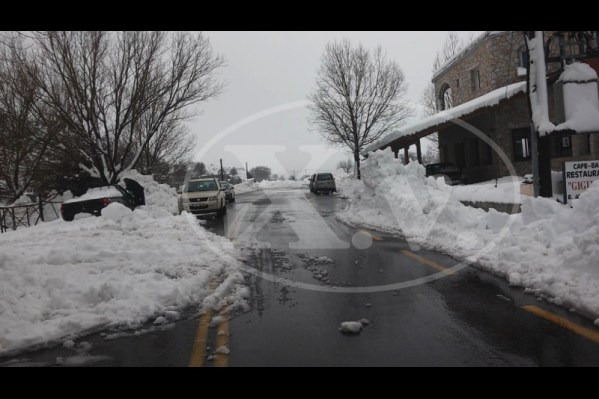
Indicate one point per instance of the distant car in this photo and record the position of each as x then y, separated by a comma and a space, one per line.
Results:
229, 191
322, 182
201, 196
451, 173
95, 199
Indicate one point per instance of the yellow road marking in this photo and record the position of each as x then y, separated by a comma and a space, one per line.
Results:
222, 339
198, 352
560, 321
427, 262
236, 223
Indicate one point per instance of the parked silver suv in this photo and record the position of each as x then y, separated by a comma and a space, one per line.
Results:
322, 182
201, 196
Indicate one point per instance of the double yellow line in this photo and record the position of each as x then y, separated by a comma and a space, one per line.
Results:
198, 352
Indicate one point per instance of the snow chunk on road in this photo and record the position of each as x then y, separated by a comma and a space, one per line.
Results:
223, 349
352, 327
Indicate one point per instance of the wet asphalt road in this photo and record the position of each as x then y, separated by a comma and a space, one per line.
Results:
468, 318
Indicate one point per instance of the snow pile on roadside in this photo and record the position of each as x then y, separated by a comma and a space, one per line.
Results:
246, 186
549, 248
506, 192
61, 280
250, 185
157, 194
345, 183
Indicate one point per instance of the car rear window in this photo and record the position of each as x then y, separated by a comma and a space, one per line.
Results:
203, 185
325, 176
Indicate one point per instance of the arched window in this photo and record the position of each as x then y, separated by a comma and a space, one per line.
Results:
445, 99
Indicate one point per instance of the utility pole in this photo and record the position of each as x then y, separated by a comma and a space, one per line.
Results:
222, 174
247, 172
540, 145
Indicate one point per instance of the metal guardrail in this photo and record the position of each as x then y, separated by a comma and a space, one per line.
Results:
25, 215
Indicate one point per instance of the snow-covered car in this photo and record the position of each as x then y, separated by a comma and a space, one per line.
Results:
229, 191
201, 196
95, 199
451, 173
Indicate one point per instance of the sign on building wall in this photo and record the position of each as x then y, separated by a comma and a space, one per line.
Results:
578, 176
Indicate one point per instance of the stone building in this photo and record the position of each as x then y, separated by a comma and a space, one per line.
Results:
484, 119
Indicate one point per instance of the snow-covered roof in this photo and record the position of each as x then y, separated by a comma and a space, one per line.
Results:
488, 100
473, 44
97, 192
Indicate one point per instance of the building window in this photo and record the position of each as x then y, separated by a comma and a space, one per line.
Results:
562, 145
521, 144
523, 57
457, 83
475, 79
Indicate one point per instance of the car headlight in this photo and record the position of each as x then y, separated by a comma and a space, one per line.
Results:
211, 198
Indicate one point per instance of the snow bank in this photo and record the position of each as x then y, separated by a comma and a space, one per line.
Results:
60, 280
506, 192
345, 183
157, 194
116, 212
548, 248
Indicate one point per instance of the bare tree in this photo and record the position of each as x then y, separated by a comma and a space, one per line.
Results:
163, 154
347, 165
27, 128
260, 173
116, 91
429, 101
359, 96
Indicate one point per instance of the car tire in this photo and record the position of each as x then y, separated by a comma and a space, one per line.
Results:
68, 218
222, 211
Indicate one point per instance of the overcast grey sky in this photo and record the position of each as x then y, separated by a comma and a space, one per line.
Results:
266, 70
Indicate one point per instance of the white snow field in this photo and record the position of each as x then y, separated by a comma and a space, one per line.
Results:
549, 248
62, 280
